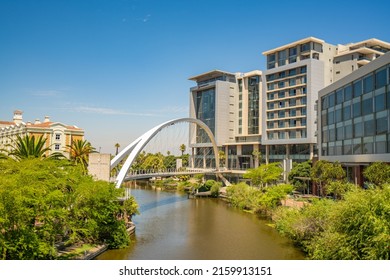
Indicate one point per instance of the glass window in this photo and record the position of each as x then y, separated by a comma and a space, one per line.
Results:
380, 144
332, 100
340, 133
388, 97
380, 78
281, 94
356, 108
348, 131
281, 135
369, 127
293, 112
330, 117
303, 69
325, 136
367, 106
292, 92
282, 58
381, 123
292, 72
324, 120
358, 129
357, 88
368, 145
347, 111
380, 103
357, 146
368, 84
282, 114
58, 136
347, 147
292, 135
292, 102
332, 134
348, 93
338, 116
325, 102
57, 147
339, 96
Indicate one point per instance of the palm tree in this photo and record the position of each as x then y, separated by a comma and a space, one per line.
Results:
182, 149
117, 145
30, 147
79, 152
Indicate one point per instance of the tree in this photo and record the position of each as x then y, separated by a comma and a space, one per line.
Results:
117, 145
222, 158
264, 174
298, 173
46, 202
324, 172
257, 155
378, 173
182, 149
79, 152
30, 147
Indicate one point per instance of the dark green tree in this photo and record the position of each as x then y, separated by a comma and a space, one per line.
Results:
264, 174
79, 152
377, 173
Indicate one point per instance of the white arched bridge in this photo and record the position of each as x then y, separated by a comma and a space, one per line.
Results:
134, 149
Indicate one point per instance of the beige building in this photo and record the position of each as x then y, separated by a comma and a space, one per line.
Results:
229, 103
57, 135
352, 56
295, 73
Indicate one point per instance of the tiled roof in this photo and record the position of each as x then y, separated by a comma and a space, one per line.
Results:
48, 124
7, 123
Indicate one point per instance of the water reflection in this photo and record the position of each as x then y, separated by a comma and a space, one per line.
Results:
173, 227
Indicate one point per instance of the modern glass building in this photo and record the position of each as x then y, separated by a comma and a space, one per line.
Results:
353, 114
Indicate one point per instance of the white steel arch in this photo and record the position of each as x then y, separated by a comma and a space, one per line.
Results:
134, 148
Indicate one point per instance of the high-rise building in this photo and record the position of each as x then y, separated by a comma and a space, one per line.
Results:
230, 105
57, 135
295, 73
353, 118
271, 115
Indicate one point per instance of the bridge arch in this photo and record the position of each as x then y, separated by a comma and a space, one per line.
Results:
134, 148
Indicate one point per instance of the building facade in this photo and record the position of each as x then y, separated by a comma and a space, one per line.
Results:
229, 103
57, 135
353, 116
271, 115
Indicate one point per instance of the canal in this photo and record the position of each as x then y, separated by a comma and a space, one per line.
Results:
172, 227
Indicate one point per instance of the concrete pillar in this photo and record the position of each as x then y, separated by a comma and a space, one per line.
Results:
311, 151
267, 154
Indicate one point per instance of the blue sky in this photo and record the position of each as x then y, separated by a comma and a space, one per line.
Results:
119, 67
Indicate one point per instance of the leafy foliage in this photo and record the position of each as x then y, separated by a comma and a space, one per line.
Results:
299, 171
30, 147
378, 173
79, 152
324, 172
264, 174
43, 203
355, 228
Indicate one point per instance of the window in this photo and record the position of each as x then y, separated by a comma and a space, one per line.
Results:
380, 103
292, 135
348, 93
367, 106
282, 58
347, 111
305, 47
380, 144
338, 115
369, 127
57, 147
348, 131
380, 78
381, 123
292, 92
358, 129
340, 133
58, 136
292, 72
357, 146
368, 84
332, 100
356, 108
271, 60
339, 96
357, 88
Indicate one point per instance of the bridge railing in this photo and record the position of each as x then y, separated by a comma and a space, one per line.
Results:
169, 170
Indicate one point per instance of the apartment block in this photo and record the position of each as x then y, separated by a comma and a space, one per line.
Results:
353, 118
57, 135
295, 73
229, 103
